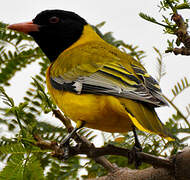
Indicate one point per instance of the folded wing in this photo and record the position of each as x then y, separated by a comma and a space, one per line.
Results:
99, 68
114, 79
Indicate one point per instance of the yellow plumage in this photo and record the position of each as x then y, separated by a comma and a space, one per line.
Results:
109, 113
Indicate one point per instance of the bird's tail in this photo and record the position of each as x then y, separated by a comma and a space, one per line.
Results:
145, 118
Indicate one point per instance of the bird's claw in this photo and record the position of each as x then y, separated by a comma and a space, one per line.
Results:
133, 157
66, 149
65, 141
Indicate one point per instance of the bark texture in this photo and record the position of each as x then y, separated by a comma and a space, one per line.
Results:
179, 171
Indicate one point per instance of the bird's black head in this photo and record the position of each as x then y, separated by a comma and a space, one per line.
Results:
53, 30
58, 30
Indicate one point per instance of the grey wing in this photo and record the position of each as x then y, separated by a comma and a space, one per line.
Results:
114, 81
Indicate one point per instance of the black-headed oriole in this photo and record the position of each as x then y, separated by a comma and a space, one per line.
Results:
92, 81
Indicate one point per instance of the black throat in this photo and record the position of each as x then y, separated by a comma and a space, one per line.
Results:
53, 44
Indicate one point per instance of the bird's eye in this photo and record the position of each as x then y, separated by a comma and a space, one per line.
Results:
54, 20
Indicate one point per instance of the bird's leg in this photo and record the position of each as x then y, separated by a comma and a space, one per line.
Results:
65, 142
136, 148
66, 139
137, 144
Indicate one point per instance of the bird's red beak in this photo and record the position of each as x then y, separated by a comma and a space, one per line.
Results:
24, 27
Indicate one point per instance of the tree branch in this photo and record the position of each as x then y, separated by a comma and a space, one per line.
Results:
180, 171
92, 152
146, 174
175, 168
182, 35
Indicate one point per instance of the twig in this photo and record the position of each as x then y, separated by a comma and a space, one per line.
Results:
63, 119
177, 109
182, 35
177, 51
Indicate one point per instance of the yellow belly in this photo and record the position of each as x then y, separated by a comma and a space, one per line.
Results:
100, 112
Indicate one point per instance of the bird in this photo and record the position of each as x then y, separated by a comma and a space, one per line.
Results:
94, 83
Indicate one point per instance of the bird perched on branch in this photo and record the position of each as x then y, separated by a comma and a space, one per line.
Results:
92, 82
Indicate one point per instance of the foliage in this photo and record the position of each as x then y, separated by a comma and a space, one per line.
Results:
23, 160
170, 27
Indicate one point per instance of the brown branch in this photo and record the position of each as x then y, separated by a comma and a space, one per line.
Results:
113, 150
146, 174
84, 147
180, 171
182, 35
175, 168
177, 51
181, 32
59, 152
66, 121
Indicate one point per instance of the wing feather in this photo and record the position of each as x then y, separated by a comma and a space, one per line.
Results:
100, 70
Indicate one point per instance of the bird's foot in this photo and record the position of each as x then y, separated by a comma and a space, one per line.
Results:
133, 156
65, 144
66, 149
66, 139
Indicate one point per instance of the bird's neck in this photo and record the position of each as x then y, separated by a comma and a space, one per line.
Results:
88, 35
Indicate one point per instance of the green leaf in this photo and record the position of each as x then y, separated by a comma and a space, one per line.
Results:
180, 87
20, 167
160, 65
185, 5
33, 169
14, 169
